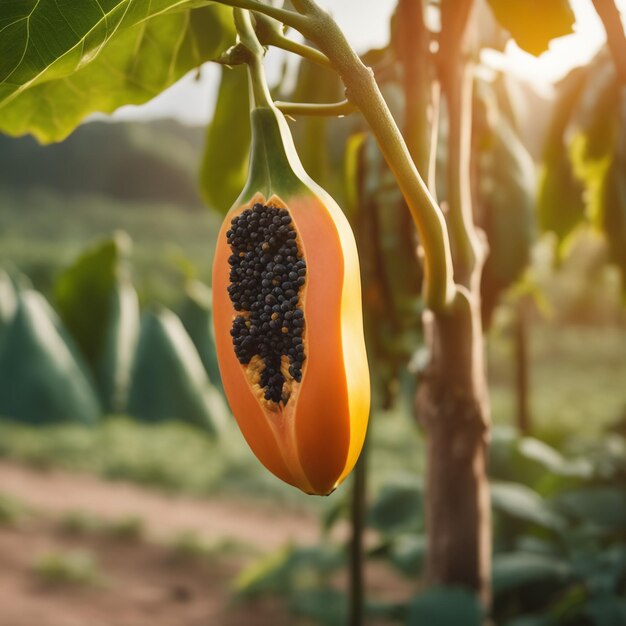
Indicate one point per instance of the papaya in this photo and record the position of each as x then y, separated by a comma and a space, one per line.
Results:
287, 313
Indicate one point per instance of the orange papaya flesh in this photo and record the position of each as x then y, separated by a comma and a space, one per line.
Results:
288, 320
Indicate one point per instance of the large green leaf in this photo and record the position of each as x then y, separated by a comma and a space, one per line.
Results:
113, 370
289, 569
516, 570
602, 507
445, 607
169, 381
560, 202
8, 302
99, 307
524, 504
398, 506
196, 316
534, 463
598, 153
42, 377
534, 23
607, 611
225, 161
507, 199
61, 61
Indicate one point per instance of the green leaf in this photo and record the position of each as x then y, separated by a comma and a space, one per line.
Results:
169, 381
8, 302
445, 607
560, 202
607, 611
602, 507
325, 605
398, 506
532, 620
196, 316
225, 161
534, 23
99, 307
289, 570
534, 463
407, 553
42, 376
59, 62
522, 503
516, 570
507, 175
114, 367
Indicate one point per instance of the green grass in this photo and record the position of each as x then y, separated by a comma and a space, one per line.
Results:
577, 381
68, 568
41, 232
188, 545
12, 511
80, 524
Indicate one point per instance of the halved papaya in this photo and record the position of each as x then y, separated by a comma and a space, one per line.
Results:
288, 319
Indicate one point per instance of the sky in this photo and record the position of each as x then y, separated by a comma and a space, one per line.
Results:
191, 100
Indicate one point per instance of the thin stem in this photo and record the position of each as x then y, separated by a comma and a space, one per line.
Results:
290, 18
270, 33
259, 91
465, 243
434, 139
357, 587
306, 52
456, 77
335, 109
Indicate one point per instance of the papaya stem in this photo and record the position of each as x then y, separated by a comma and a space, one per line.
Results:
269, 32
290, 18
334, 109
259, 92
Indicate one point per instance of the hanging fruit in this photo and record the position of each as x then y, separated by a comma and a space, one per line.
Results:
287, 313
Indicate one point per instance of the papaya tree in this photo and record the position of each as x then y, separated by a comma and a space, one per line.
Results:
59, 63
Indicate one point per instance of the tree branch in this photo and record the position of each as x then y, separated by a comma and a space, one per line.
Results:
456, 79
290, 18
335, 109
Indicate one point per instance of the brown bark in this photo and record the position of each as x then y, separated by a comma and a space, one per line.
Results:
453, 402
454, 409
616, 39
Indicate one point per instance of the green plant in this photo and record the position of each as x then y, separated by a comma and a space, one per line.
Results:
68, 568
12, 511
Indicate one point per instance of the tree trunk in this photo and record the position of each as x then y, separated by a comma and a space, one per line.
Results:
453, 406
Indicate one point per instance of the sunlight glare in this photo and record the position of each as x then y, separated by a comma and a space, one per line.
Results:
564, 53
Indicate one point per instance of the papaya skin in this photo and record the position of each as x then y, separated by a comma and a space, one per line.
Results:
314, 440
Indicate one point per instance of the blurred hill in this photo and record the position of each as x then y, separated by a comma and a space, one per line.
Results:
141, 177
134, 161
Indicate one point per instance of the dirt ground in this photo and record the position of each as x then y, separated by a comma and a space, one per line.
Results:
141, 582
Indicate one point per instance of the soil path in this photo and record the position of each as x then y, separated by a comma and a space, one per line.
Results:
57, 492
